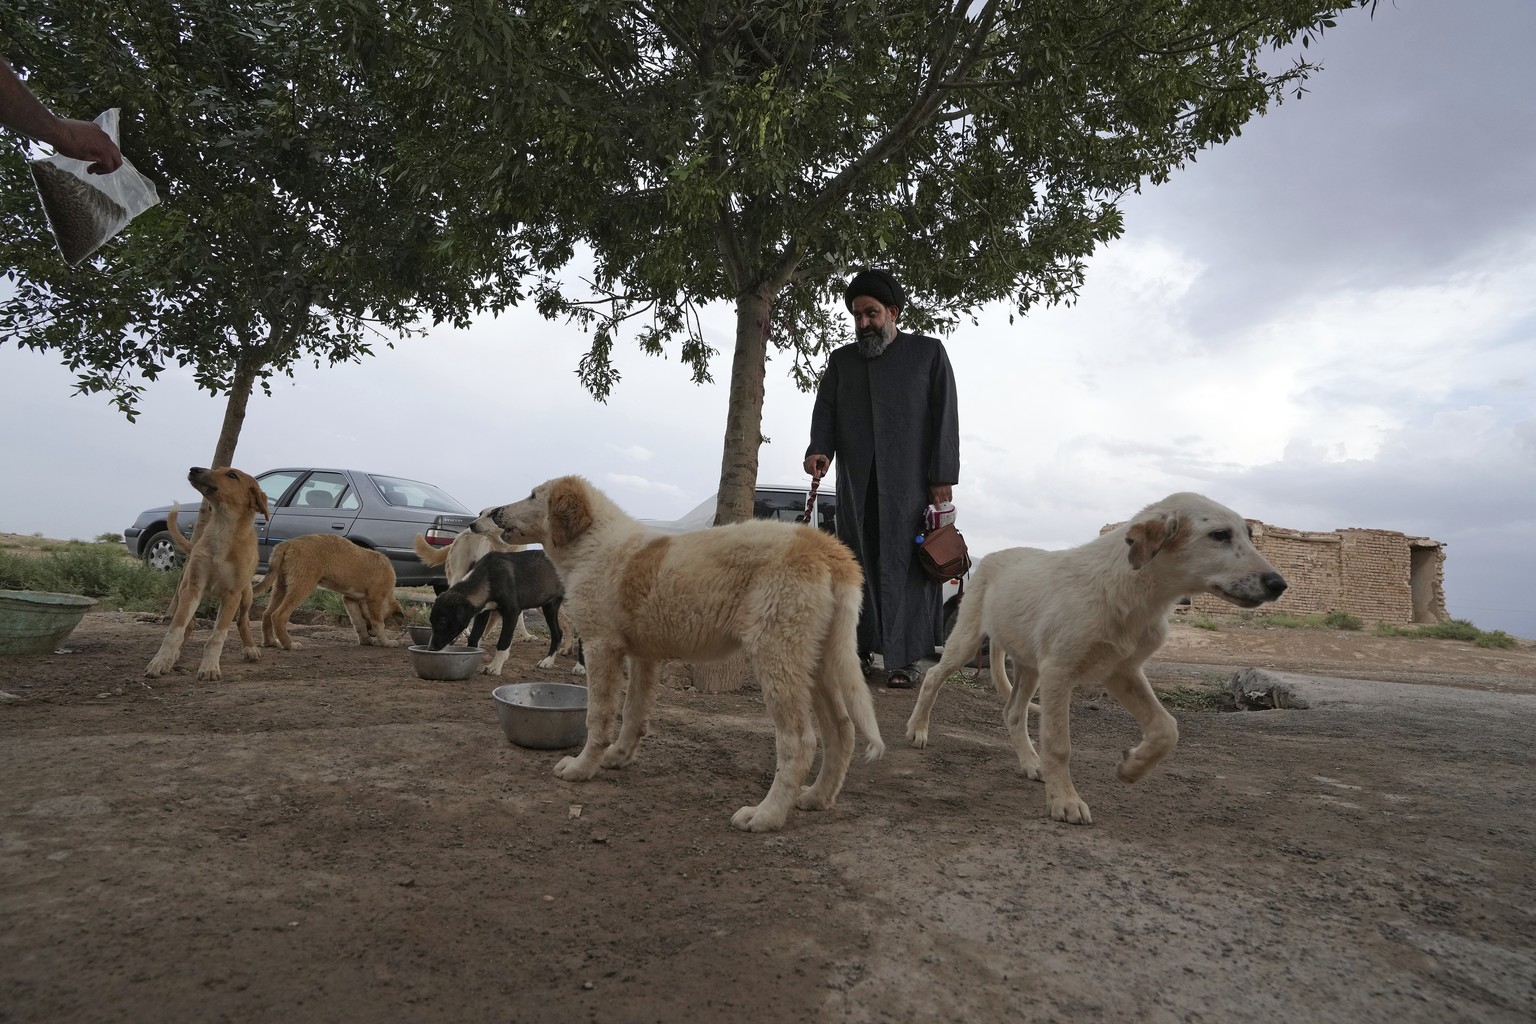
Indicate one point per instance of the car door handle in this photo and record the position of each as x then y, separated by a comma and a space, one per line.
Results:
339, 526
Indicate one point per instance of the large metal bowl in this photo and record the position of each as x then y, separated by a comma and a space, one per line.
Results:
35, 622
420, 634
544, 716
452, 662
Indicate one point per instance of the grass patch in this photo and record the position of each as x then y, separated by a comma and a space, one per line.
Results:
1286, 621
103, 569
1194, 698
1205, 622
970, 681
1455, 629
1314, 620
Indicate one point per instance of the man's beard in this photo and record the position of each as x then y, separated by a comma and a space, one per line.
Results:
872, 341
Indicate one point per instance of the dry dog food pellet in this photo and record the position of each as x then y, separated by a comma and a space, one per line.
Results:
81, 216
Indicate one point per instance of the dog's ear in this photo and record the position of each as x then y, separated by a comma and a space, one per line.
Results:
568, 510
1146, 537
259, 499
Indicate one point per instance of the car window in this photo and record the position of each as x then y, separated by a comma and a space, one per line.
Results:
349, 502
826, 510
274, 485
320, 490
787, 506
415, 494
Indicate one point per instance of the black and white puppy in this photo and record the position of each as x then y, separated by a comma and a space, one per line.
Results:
503, 581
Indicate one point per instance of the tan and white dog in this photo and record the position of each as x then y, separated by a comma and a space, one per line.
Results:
220, 562
1095, 614
787, 595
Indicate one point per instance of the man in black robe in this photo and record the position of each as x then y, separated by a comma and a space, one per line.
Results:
886, 410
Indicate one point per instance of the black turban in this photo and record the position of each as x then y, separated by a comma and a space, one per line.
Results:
878, 285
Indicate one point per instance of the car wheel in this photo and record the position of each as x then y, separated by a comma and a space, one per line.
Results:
951, 613
162, 553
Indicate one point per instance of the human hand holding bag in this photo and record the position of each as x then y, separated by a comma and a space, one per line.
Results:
940, 548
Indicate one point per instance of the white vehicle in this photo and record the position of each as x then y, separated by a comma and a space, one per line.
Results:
773, 501
786, 502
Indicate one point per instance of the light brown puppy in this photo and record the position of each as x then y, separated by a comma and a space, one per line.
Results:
787, 595
1095, 614
364, 579
460, 557
220, 563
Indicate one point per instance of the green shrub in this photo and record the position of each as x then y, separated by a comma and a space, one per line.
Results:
1205, 622
1455, 629
100, 570
1343, 620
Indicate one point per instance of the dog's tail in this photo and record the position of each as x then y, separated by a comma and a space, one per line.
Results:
175, 531
427, 553
1000, 683
274, 567
841, 657
999, 659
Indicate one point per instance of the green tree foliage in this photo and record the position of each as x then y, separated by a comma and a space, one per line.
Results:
304, 212
755, 152
337, 164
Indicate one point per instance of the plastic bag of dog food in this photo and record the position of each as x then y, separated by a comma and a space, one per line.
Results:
84, 210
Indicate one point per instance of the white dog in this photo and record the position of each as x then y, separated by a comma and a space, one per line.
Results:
786, 594
1096, 613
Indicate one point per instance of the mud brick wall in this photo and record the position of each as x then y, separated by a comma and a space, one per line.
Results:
1378, 575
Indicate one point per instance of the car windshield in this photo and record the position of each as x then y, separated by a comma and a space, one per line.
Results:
415, 494
700, 517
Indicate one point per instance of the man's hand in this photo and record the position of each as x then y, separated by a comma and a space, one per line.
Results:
940, 493
817, 466
85, 140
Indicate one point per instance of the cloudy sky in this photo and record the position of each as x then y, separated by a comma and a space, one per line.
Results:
1330, 322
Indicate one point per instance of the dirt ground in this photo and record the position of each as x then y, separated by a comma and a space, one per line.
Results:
324, 837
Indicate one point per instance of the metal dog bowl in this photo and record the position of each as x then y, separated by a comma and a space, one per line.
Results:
544, 716
420, 635
452, 662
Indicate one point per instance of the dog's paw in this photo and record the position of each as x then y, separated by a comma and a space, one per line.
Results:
579, 670
572, 769
1070, 809
251, 653
158, 668
490, 669
1031, 770
756, 819
811, 800
618, 757
386, 642
209, 673
548, 662
917, 735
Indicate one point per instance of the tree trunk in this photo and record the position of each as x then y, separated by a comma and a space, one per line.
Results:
744, 417
234, 410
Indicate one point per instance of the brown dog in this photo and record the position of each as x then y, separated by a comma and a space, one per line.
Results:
364, 579
220, 562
